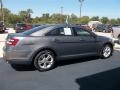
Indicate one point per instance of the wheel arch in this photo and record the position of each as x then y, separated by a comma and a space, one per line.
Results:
108, 43
41, 49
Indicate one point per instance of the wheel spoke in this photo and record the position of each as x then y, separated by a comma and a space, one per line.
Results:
45, 65
42, 56
107, 51
48, 57
49, 62
41, 61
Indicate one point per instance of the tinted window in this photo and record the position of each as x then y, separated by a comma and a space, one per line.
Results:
60, 32
81, 32
28, 32
52, 33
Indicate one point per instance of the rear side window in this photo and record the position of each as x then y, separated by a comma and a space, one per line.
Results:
52, 33
28, 32
60, 32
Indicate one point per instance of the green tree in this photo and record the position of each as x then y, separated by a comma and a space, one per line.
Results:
74, 19
84, 19
104, 20
113, 21
118, 20
95, 18
28, 16
36, 20
45, 18
56, 18
23, 15
6, 13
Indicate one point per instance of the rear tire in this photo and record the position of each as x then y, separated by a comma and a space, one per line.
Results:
106, 51
44, 60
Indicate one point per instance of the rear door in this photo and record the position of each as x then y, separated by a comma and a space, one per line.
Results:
65, 41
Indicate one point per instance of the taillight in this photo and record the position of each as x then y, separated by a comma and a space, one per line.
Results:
12, 41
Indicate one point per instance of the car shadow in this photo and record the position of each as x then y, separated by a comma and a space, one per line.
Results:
77, 60
59, 63
23, 67
109, 80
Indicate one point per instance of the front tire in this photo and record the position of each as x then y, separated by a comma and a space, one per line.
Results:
106, 51
45, 60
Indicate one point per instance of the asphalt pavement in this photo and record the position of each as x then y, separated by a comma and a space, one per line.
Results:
90, 73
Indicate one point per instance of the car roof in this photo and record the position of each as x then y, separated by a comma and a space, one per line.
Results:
48, 27
63, 25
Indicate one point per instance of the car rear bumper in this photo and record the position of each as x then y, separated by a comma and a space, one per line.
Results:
14, 57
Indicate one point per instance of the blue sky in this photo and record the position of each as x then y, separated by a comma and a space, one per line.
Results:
109, 8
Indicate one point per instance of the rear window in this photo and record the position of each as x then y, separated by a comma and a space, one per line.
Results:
28, 32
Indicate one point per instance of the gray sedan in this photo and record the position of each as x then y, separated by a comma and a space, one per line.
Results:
44, 45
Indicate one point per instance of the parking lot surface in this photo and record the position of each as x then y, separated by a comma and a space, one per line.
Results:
89, 73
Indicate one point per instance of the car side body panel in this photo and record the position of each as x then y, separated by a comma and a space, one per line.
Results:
63, 46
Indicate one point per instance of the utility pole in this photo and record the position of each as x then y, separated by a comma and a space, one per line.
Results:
2, 12
61, 14
61, 10
81, 3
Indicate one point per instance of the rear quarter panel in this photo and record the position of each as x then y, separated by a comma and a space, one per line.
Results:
31, 45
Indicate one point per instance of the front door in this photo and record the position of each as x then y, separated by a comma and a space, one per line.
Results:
86, 42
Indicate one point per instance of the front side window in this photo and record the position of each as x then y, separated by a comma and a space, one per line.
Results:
81, 32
